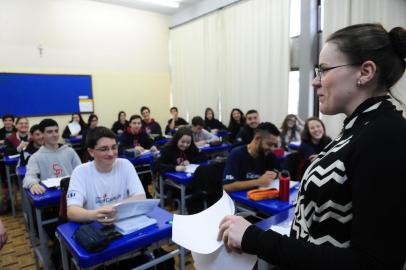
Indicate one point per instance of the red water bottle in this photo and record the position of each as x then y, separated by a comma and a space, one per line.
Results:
284, 181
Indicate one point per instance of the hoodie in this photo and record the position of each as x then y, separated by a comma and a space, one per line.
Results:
49, 163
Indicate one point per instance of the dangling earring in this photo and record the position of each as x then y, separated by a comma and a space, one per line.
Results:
359, 83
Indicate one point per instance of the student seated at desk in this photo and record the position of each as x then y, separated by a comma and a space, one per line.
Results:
314, 139
36, 141
136, 137
253, 165
212, 124
200, 135
246, 133
18, 141
8, 127
148, 123
51, 160
291, 128
179, 152
237, 120
121, 124
175, 121
92, 122
75, 127
96, 185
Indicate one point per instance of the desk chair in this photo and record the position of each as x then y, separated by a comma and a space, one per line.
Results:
206, 187
295, 164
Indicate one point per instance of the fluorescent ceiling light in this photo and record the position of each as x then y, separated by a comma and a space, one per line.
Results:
165, 3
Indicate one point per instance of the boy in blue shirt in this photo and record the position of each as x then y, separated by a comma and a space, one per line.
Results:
253, 165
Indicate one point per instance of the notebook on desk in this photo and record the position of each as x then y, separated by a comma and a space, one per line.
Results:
132, 215
53, 182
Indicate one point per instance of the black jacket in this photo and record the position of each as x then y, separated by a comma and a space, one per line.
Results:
350, 211
172, 157
214, 124
244, 136
129, 140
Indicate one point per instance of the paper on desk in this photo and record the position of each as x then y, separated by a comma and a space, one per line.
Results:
199, 232
14, 156
74, 128
221, 259
191, 168
52, 182
128, 209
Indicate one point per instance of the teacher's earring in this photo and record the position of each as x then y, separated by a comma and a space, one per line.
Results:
359, 83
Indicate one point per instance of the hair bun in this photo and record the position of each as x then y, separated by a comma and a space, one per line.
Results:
398, 39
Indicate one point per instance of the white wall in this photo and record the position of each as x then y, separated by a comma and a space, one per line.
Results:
124, 49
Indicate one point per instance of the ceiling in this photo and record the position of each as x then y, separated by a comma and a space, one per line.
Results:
143, 5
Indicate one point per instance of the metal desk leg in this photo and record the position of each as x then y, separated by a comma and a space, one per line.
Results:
10, 191
182, 199
43, 239
161, 191
65, 259
182, 261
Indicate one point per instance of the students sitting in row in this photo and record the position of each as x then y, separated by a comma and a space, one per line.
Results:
212, 124
175, 121
75, 127
51, 160
253, 165
291, 129
121, 124
18, 141
237, 121
96, 185
36, 141
200, 135
136, 137
149, 124
179, 152
314, 139
8, 127
246, 133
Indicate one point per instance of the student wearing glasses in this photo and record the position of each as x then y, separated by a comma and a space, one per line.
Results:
51, 160
291, 128
95, 186
253, 165
350, 209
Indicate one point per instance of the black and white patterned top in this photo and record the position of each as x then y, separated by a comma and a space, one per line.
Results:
351, 207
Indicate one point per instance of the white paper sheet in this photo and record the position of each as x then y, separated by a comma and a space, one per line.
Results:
53, 182
14, 156
74, 127
221, 259
86, 105
191, 168
134, 208
199, 232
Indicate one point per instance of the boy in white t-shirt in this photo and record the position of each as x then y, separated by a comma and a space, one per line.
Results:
97, 185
